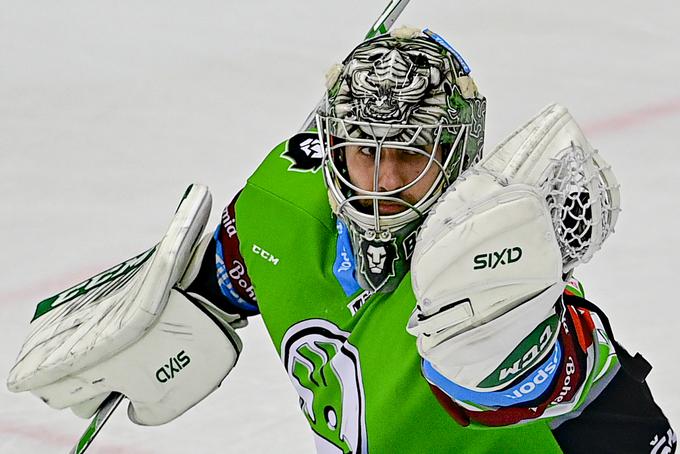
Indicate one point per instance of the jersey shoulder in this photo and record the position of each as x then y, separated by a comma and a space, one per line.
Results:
264, 221
292, 173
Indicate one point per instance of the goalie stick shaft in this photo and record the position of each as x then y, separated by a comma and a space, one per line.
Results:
105, 410
387, 18
380, 27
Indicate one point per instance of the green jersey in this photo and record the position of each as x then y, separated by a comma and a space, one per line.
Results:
280, 251
355, 367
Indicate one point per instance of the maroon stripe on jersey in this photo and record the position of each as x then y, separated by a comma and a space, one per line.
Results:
233, 260
454, 410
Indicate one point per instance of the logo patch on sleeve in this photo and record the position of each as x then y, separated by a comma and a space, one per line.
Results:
344, 265
304, 152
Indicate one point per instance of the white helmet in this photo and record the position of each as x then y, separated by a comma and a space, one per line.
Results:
408, 91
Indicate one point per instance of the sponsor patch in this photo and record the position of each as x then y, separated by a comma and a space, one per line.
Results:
528, 389
344, 265
232, 274
525, 355
569, 380
304, 152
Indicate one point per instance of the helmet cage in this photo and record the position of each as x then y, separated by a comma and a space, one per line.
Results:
336, 133
408, 91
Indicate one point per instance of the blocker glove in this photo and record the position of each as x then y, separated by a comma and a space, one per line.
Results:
133, 329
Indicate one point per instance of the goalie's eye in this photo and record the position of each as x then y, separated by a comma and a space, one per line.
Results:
370, 152
367, 151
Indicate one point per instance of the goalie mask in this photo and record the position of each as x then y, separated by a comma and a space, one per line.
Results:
402, 119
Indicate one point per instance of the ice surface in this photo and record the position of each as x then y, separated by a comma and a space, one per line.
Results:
109, 109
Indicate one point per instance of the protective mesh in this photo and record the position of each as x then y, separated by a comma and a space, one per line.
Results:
583, 198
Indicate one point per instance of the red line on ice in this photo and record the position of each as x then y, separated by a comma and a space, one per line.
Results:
634, 117
48, 287
51, 438
614, 123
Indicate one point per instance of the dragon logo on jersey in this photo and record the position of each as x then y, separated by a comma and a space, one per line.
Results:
325, 371
305, 153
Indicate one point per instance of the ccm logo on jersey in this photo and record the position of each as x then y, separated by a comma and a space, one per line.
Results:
265, 255
493, 259
174, 365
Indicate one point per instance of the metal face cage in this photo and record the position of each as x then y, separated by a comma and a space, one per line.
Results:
361, 206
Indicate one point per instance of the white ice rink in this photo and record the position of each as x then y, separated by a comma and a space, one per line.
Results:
109, 109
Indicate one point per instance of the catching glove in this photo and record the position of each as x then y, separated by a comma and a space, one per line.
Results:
489, 266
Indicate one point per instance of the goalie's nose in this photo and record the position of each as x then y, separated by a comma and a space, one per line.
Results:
392, 173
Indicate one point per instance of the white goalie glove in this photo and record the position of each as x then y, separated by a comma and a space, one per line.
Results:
133, 330
492, 256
